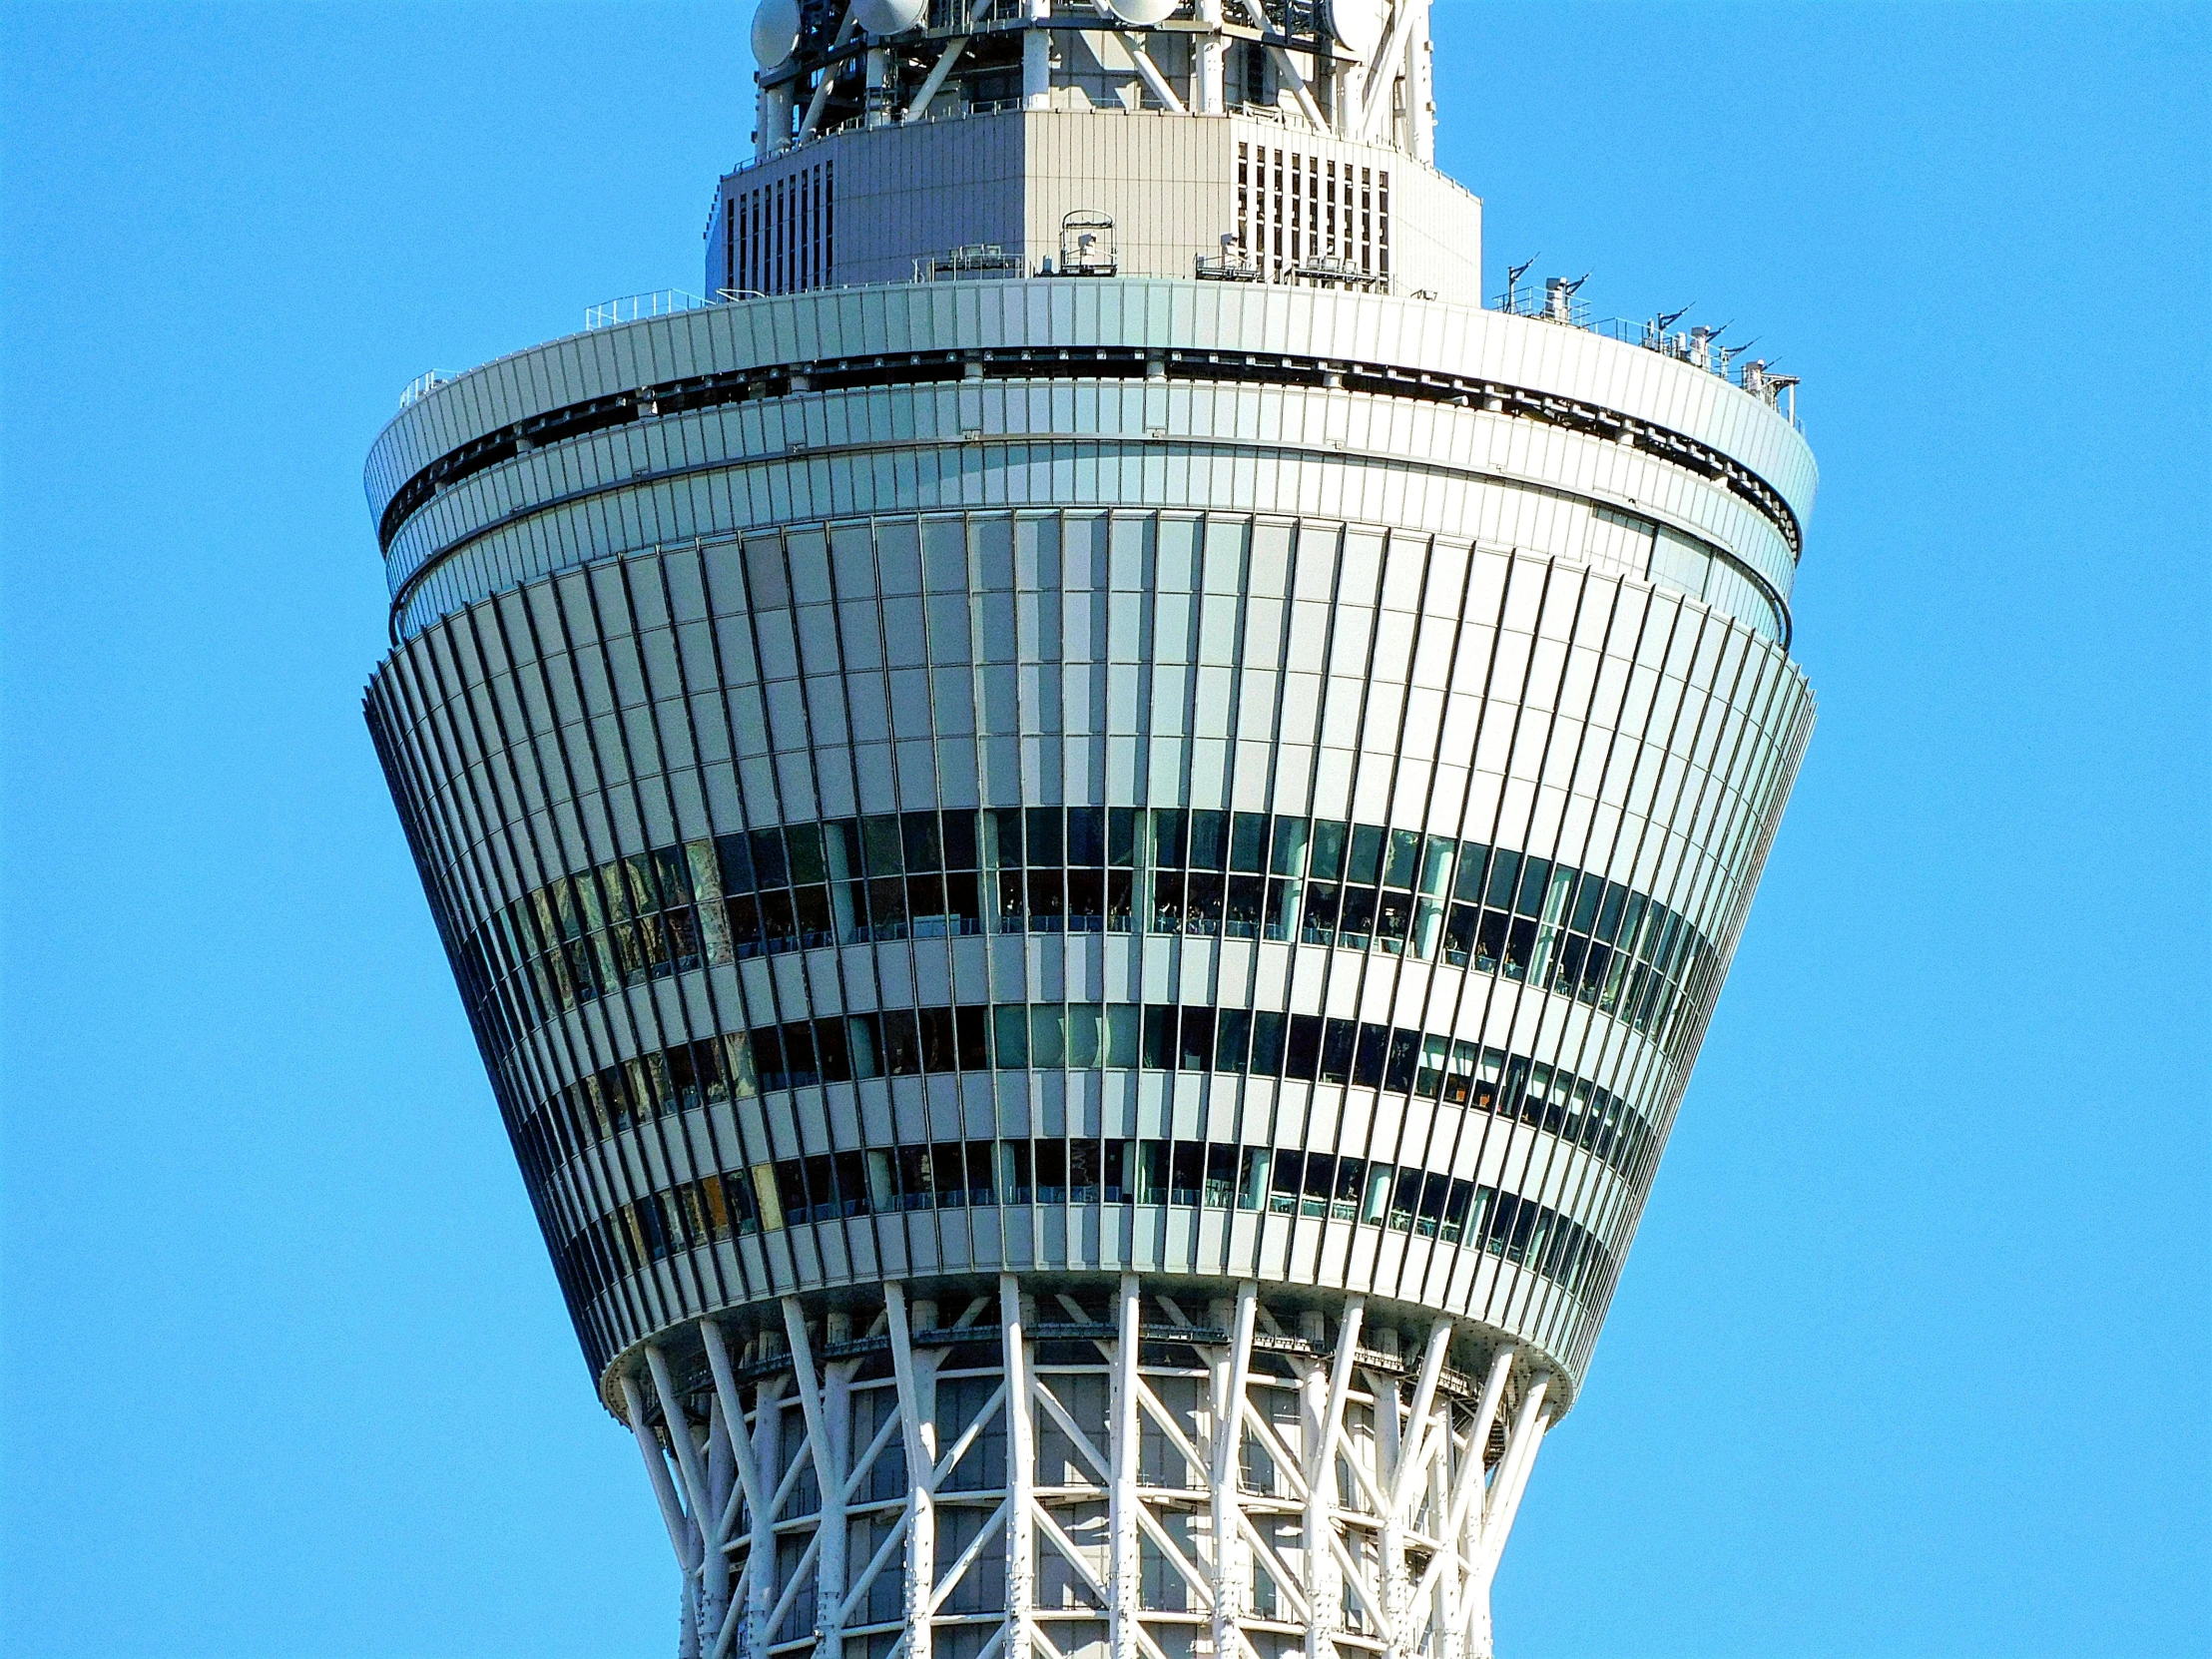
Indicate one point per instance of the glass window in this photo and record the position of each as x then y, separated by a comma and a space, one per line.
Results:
918, 839
1186, 1173
915, 1183
1304, 1051
1327, 858
1221, 1176
949, 1174
1121, 836
1505, 874
1197, 1049
1167, 838
1357, 925
1160, 1038
1086, 1048
1374, 1048
1122, 1033
1535, 876
958, 840
1586, 899
1609, 913
1251, 1178
1248, 839
1052, 1171
851, 1184
939, 1050
865, 1044
1010, 1037
1288, 857
1340, 1041
1002, 837
1397, 1073
1247, 901
1435, 866
769, 870
1267, 1043
803, 853
982, 1174
1086, 837
1233, 1039
1202, 905
833, 1055
881, 840
1209, 833
1374, 1206
1152, 1172
1319, 925
902, 1042
1044, 836
1048, 1041
971, 1032
840, 849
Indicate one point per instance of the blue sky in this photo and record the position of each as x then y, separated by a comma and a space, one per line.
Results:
1910, 1357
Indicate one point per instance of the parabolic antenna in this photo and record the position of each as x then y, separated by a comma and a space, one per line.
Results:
1357, 24
1143, 11
774, 32
888, 17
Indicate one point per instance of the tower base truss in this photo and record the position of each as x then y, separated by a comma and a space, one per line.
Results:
1057, 1469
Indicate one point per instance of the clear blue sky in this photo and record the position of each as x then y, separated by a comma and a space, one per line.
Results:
1911, 1355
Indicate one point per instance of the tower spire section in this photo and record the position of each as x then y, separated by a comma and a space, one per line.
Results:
1089, 826
1351, 69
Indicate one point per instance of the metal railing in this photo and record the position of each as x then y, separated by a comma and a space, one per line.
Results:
423, 384
974, 259
1699, 347
632, 306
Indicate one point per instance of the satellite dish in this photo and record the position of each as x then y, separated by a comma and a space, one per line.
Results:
888, 17
1143, 11
774, 32
1357, 25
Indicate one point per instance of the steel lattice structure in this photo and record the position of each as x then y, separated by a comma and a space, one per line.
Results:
1089, 825
1199, 1510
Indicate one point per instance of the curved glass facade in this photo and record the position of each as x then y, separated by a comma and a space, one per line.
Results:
1084, 869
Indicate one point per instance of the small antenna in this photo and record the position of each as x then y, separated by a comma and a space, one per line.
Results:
1668, 319
1514, 272
1578, 282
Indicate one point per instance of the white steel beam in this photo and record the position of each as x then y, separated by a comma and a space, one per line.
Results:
822, 1440
1235, 1375
680, 1529
1520, 1453
828, 76
921, 1460
1021, 1467
1208, 83
687, 1455
1382, 71
1121, 1509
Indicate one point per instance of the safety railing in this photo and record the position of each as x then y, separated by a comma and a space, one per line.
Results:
1699, 346
632, 306
422, 385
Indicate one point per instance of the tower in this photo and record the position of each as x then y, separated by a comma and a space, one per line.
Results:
1089, 824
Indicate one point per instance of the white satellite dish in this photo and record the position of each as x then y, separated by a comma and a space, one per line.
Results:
774, 32
1357, 25
1143, 11
888, 17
